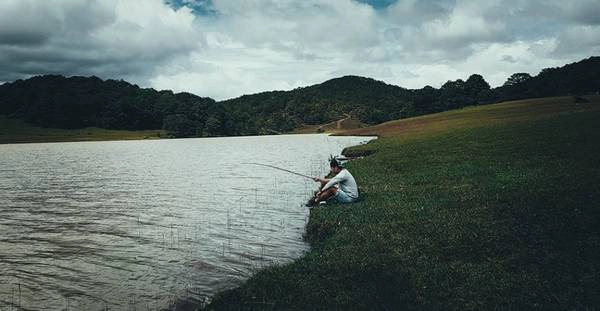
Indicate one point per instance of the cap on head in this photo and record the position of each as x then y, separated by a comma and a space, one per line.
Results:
334, 163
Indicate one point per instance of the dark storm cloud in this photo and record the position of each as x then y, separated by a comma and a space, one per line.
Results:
109, 38
28, 27
22, 37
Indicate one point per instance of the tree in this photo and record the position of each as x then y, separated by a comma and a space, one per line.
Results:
517, 78
213, 126
477, 89
180, 125
475, 84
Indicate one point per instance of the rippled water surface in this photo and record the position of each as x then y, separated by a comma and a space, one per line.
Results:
140, 224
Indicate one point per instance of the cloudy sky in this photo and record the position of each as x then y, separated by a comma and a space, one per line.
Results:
226, 48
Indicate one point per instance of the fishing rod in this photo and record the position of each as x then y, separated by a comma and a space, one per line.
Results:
279, 168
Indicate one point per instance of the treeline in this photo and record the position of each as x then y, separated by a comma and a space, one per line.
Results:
573, 79
76, 102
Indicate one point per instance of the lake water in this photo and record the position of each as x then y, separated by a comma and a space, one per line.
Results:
128, 225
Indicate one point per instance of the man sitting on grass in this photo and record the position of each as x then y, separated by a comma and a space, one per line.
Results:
341, 187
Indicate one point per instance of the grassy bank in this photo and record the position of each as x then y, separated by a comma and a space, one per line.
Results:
17, 131
493, 207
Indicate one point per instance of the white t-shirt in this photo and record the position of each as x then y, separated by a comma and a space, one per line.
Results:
346, 183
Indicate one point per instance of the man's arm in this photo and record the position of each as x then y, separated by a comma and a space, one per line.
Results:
333, 181
323, 181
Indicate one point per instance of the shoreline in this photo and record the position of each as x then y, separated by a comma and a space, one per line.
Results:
39, 135
454, 217
16, 131
139, 136
307, 236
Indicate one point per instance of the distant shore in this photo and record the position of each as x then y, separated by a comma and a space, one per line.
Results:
14, 131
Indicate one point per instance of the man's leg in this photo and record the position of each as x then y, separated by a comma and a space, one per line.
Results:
327, 194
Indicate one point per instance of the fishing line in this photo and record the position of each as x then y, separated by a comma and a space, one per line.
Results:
279, 168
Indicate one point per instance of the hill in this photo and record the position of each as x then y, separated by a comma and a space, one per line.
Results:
366, 99
79, 102
484, 208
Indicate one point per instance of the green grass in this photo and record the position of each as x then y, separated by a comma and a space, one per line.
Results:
17, 131
459, 214
477, 116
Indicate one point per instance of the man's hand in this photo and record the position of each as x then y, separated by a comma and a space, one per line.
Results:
316, 178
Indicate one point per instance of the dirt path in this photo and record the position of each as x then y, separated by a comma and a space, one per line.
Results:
339, 122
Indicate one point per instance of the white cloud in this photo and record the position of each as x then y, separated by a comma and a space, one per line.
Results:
498, 61
311, 25
266, 45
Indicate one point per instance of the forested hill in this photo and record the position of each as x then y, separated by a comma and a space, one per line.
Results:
75, 102
360, 97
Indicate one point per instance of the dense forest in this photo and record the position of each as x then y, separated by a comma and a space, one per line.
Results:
77, 102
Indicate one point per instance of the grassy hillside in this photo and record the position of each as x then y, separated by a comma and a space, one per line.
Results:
487, 208
17, 131
473, 117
